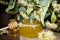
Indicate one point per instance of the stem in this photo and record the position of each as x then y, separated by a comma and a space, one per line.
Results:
53, 12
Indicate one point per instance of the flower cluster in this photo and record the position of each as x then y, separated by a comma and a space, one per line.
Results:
46, 35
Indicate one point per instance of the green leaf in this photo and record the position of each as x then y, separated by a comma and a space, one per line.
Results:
36, 1
53, 18
12, 8
44, 5
22, 9
44, 2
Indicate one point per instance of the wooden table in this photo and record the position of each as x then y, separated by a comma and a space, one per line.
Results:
56, 34
6, 37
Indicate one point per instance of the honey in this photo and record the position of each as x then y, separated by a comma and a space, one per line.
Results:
29, 31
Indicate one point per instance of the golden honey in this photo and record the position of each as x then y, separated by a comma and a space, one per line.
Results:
30, 32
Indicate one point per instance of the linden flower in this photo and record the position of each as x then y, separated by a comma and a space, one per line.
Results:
51, 25
56, 6
24, 15
46, 35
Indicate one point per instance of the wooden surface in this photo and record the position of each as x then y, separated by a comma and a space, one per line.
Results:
56, 34
6, 37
